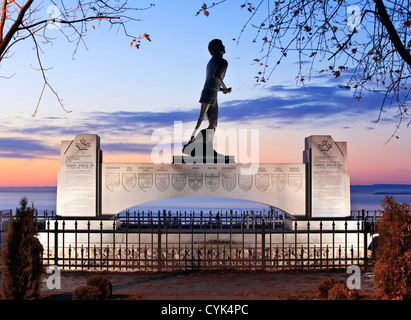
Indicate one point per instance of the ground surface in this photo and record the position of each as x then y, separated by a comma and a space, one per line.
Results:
209, 285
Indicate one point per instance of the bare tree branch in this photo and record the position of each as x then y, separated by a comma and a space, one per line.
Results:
14, 28
46, 83
3, 18
368, 40
395, 39
72, 18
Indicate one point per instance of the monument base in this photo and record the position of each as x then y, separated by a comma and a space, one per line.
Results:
201, 150
190, 160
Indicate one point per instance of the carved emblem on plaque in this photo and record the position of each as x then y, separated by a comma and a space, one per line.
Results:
262, 181
245, 181
129, 181
295, 181
178, 181
228, 181
83, 144
145, 181
324, 146
112, 180
279, 181
162, 181
212, 181
195, 181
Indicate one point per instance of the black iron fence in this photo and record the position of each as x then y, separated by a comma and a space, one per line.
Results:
246, 240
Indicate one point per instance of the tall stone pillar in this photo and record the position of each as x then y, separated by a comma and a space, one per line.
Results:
328, 180
79, 177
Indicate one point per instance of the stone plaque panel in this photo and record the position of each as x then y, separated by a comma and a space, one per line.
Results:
329, 180
78, 184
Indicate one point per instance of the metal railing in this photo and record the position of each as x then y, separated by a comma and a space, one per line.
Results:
194, 240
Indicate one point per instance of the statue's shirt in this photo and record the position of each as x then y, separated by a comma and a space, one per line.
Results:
216, 68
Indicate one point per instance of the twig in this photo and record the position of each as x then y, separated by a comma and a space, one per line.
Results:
46, 83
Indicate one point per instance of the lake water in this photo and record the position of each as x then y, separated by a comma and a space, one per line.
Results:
362, 197
41, 200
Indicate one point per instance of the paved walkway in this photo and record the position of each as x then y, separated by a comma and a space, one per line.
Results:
208, 285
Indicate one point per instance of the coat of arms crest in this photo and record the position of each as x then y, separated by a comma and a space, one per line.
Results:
179, 181
162, 181
279, 181
145, 181
195, 181
262, 181
295, 181
112, 180
228, 181
212, 181
245, 181
129, 181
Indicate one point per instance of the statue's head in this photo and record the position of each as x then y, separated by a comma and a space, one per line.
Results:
216, 46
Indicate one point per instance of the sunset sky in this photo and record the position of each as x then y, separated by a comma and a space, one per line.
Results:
124, 95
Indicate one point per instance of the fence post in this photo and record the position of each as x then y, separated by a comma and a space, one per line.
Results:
365, 241
56, 242
159, 245
263, 245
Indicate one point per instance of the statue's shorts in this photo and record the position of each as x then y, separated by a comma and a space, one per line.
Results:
209, 96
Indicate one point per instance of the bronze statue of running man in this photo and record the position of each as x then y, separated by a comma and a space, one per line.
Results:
216, 70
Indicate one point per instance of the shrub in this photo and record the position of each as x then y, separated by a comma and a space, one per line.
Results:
21, 256
392, 269
103, 284
97, 287
326, 285
336, 289
340, 291
85, 292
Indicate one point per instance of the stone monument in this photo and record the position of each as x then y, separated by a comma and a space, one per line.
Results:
318, 188
328, 180
79, 177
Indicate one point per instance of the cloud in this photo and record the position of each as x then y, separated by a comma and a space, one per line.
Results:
128, 147
282, 103
25, 148
128, 131
288, 105
128, 120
